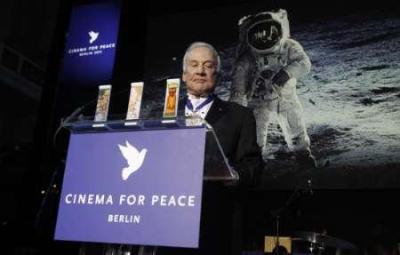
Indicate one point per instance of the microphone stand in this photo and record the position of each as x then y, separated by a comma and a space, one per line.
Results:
296, 194
52, 187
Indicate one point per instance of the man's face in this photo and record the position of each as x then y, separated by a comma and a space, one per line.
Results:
201, 71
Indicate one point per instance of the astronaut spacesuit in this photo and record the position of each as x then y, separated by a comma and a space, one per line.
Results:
265, 74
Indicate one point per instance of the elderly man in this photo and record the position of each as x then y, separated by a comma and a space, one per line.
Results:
233, 124
235, 128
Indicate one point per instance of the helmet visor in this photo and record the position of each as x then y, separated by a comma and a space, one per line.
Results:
264, 34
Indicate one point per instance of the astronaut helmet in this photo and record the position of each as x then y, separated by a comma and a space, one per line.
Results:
265, 31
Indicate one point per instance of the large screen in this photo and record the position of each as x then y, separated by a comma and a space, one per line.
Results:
349, 99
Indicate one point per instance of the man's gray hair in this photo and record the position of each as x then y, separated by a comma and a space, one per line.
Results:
200, 45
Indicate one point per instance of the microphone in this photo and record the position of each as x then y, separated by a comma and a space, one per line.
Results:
66, 120
78, 111
70, 117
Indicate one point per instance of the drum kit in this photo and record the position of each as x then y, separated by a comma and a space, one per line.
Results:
305, 243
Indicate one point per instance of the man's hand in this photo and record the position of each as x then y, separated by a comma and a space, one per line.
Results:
280, 78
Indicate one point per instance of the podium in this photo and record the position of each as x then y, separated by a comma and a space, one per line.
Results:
138, 183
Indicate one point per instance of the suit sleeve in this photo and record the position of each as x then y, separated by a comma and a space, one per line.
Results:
248, 161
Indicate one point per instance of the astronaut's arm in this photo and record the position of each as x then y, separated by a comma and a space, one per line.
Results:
299, 63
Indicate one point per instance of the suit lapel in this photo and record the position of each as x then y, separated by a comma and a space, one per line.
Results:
181, 106
216, 111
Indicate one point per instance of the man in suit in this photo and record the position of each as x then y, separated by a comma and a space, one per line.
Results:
235, 127
233, 124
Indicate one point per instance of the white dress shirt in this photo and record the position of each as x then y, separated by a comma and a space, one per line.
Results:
196, 101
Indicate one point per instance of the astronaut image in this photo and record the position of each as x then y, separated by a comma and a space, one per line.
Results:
267, 67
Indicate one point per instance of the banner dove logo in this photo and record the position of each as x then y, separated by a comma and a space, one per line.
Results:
133, 157
93, 36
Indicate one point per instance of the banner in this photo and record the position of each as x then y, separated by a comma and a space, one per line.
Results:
133, 188
91, 43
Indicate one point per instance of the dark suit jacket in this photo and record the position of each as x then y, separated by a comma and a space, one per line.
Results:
222, 204
235, 127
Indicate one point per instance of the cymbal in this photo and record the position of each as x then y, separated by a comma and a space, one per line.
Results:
324, 240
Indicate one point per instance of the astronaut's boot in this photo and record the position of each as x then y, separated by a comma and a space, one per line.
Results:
305, 160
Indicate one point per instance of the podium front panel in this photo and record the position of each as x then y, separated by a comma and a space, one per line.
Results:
138, 187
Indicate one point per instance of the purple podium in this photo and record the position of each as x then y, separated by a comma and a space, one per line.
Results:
137, 185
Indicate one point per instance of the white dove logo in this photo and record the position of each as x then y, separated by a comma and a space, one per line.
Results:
133, 157
93, 36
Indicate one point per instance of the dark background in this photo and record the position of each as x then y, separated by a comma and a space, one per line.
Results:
32, 39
